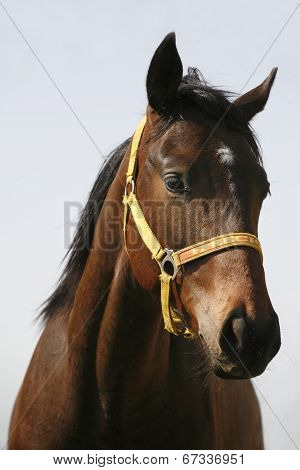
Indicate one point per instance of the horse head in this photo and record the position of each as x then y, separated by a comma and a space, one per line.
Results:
200, 175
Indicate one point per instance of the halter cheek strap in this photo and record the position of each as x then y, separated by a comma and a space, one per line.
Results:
174, 323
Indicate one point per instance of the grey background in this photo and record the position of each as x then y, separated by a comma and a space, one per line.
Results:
98, 54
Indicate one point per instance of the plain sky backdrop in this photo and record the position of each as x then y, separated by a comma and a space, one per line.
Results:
98, 53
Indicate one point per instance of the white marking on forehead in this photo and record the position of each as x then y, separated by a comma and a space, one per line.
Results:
226, 155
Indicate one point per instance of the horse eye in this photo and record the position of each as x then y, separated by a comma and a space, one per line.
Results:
175, 184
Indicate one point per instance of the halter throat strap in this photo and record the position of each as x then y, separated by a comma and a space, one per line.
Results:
174, 323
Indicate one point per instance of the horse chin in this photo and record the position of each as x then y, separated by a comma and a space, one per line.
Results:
231, 371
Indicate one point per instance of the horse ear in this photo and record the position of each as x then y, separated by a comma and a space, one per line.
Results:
254, 101
164, 76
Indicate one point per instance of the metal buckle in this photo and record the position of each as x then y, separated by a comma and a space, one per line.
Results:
131, 183
168, 259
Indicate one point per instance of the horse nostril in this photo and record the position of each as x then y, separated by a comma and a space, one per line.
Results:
233, 334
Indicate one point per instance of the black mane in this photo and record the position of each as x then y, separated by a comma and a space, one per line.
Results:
214, 104
79, 249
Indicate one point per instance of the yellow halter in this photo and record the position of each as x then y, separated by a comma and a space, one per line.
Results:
174, 323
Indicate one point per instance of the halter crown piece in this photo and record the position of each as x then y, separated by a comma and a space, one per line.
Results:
174, 322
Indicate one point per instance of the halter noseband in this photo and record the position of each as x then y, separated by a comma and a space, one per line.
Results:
174, 322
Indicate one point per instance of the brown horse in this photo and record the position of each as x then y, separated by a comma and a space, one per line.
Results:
105, 373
